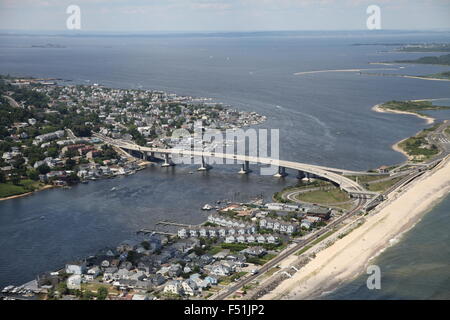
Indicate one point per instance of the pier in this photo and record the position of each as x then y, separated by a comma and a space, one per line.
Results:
147, 231
170, 223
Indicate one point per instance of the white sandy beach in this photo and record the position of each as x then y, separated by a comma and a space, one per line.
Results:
340, 70
425, 78
378, 108
349, 256
396, 147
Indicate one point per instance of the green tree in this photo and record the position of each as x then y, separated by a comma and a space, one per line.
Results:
88, 295
62, 288
70, 164
33, 174
70, 153
102, 293
15, 179
52, 152
43, 169
73, 178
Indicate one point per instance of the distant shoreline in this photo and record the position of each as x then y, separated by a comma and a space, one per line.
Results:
46, 187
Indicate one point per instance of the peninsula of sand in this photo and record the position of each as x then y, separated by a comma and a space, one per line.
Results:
380, 108
349, 257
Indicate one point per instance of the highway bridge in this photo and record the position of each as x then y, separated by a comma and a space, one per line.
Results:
332, 174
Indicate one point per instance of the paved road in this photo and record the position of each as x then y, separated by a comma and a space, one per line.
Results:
361, 203
441, 139
287, 252
328, 173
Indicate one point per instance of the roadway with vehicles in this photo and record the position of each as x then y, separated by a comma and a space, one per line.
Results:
346, 184
287, 252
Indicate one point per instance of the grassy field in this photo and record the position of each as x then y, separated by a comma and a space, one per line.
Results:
227, 280
95, 286
366, 179
24, 186
419, 148
309, 246
324, 196
384, 185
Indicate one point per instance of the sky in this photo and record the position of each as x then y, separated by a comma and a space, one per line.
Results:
222, 15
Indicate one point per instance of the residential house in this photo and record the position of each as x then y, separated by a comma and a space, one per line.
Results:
230, 239
74, 282
75, 268
189, 287
173, 287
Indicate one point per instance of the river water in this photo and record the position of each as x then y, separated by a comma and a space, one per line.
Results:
323, 118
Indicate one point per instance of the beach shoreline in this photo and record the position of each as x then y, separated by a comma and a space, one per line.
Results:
26, 194
396, 147
378, 108
349, 257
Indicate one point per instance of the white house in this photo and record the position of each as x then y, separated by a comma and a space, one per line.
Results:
189, 287
182, 233
230, 239
271, 239
75, 268
74, 282
220, 270
193, 233
261, 239
203, 232
173, 287
305, 224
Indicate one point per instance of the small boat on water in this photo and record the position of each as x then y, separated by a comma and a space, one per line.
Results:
207, 207
113, 188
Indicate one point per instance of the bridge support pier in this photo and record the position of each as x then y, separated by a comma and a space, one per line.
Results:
167, 161
281, 172
301, 174
245, 168
204, 165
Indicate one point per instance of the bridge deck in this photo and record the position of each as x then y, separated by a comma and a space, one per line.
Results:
328, 173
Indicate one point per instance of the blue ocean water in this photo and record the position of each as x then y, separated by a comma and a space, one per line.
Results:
415, 268
323, 118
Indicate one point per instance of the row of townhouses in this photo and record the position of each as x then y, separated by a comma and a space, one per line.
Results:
48, 136
258, 238
213, 232
226, 222
277, 225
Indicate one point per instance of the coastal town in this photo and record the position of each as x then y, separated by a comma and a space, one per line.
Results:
46, 138
57, 144
195, 262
